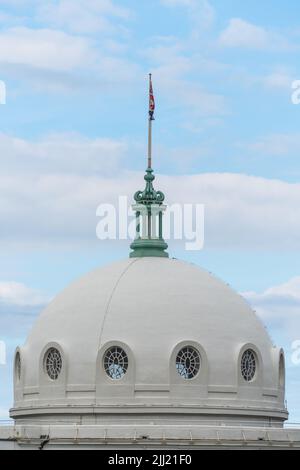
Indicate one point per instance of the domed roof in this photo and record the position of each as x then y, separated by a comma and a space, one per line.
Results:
151, 308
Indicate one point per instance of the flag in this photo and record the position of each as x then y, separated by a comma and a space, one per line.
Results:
151, 99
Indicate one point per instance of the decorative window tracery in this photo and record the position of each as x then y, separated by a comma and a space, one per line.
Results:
18, 366
248, 365
115, 362
53, 363
188, 362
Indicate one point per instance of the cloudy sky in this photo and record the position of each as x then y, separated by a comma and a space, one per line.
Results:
73, 135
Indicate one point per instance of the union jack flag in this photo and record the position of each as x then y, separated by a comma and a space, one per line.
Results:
151, 100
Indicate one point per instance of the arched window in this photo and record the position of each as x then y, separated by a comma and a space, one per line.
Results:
248, 365
53, 363
115, 362
281, 371
18, 366
188, 362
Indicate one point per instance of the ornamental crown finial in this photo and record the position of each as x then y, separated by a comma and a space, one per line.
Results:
149, 195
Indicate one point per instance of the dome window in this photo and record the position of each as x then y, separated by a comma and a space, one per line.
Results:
53, 363
281, 371
248, 365
115, 362
188, 362
18, 366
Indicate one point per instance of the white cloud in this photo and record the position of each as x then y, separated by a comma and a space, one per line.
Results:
118, 72
278, 79
67, 45
277, 145
15, 293
174, 70
189, 95
185, 3
200, 12
53, 60
61, 153
279, 306
83, 16
243, 211
241, 33
50, 194
19, 3
53, 182
177, 64
6, 18
44, 48
286, 293
19, 306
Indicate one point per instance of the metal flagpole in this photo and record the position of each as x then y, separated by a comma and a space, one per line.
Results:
150, 143
150, 125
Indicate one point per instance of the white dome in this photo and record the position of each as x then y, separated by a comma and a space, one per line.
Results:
151, 308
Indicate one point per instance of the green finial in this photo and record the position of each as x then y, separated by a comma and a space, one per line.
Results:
149, 206
149, 209
149, 195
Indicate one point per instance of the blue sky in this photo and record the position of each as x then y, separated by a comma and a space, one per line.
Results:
73, 134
